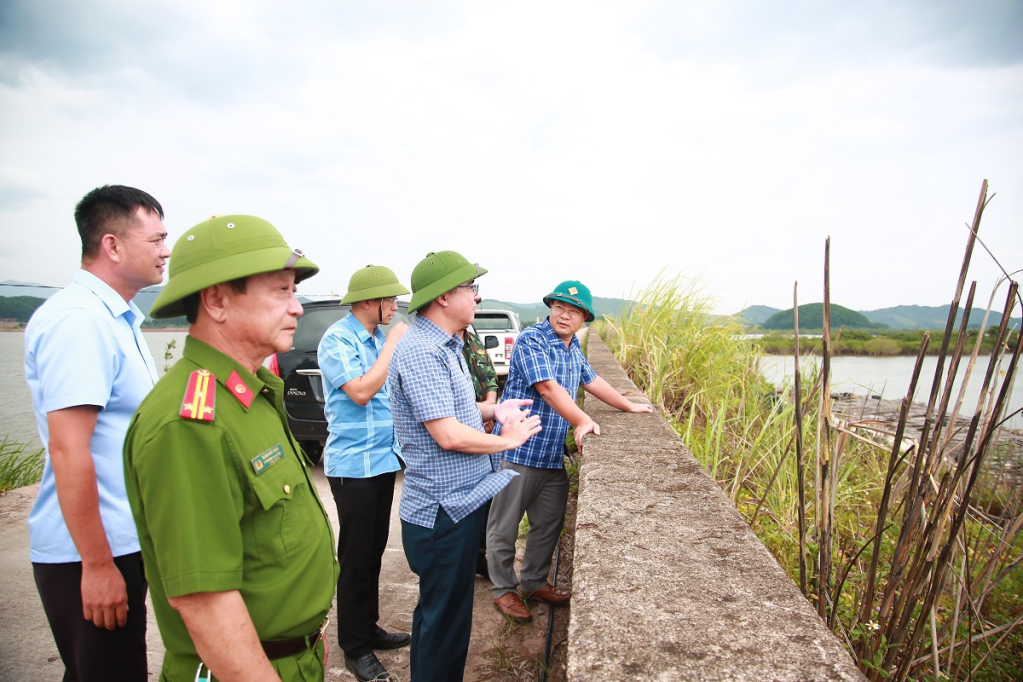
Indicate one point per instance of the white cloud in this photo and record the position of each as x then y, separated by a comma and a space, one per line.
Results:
598, 141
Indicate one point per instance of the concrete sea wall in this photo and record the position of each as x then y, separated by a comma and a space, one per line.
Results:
669, 582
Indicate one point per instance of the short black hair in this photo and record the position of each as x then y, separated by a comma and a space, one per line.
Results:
110, 209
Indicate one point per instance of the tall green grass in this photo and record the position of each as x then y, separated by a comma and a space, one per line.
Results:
937, 596
17, 467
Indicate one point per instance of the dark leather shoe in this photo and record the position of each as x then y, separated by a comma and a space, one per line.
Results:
367, 668
550, 594
390, 640
510, 605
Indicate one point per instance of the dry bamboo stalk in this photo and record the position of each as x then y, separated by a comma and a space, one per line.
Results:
894, 459
936, 451
909, 570
988, 633
828, 465
943, 564
801, 511
955, 614
973, 361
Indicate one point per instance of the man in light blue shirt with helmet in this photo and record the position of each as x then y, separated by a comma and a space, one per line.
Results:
88, 368
361, 458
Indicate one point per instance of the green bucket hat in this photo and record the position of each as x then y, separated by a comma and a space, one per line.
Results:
574, 292
439, 273
373, 281
222, 249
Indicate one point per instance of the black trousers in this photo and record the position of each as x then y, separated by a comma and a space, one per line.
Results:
90, 653
363, 520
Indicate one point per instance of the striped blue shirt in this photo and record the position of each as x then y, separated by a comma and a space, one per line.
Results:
360, 439
541, 355
428, 380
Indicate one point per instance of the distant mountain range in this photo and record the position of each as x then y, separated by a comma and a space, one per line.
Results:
144, 300
899, 317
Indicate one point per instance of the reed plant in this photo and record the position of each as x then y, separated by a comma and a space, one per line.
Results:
907, 538
18, 467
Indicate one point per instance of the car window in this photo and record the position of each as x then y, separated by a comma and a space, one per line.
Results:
312, 325
491, 322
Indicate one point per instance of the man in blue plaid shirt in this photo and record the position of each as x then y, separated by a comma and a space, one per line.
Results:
449, 475
547, 367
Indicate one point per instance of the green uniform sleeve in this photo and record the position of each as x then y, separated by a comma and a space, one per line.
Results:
192, 504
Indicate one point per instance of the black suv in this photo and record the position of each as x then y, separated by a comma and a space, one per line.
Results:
303, 387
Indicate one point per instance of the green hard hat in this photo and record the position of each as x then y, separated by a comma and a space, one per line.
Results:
373, 281
439, 273
574, 292
222, 249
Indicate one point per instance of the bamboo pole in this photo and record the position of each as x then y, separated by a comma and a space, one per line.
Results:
801, 511
828, 465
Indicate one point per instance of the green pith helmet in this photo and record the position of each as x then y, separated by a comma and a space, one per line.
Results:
439, 273
574, 292
373, 281
221, 249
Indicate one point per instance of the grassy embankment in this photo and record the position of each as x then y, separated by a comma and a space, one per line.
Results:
940, 596
877, 343
17, 467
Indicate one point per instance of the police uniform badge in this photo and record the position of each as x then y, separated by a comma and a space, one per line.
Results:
200, 396
239, 390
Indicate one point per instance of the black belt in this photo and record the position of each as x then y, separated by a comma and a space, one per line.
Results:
290, 647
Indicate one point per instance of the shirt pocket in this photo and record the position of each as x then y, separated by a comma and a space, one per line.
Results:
281, 519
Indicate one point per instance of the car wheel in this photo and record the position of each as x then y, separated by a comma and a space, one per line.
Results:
313, 450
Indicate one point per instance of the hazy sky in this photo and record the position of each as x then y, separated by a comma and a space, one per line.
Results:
600, 141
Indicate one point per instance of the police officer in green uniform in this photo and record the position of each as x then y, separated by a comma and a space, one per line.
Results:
237, 547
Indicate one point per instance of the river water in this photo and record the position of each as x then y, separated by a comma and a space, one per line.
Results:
17, 421
888, 377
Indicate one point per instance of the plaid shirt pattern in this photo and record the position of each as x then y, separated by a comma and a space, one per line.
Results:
428, 380
541, 355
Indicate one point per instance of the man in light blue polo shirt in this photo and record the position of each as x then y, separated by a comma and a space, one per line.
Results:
88, 368
360, 459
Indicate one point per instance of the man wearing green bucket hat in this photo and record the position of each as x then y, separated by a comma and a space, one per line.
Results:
547, 367
449, 475
237, 547
360, 459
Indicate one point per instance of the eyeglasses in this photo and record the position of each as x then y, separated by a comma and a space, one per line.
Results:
561, 309
475, 288
390, 300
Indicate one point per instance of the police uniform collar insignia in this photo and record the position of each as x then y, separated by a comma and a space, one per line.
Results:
200, 396
239, 390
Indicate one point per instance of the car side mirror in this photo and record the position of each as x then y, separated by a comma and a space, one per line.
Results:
490, 342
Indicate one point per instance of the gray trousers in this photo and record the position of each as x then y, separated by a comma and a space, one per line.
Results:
540, 494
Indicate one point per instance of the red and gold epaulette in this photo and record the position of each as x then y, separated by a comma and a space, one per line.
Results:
239, 390
200, 396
